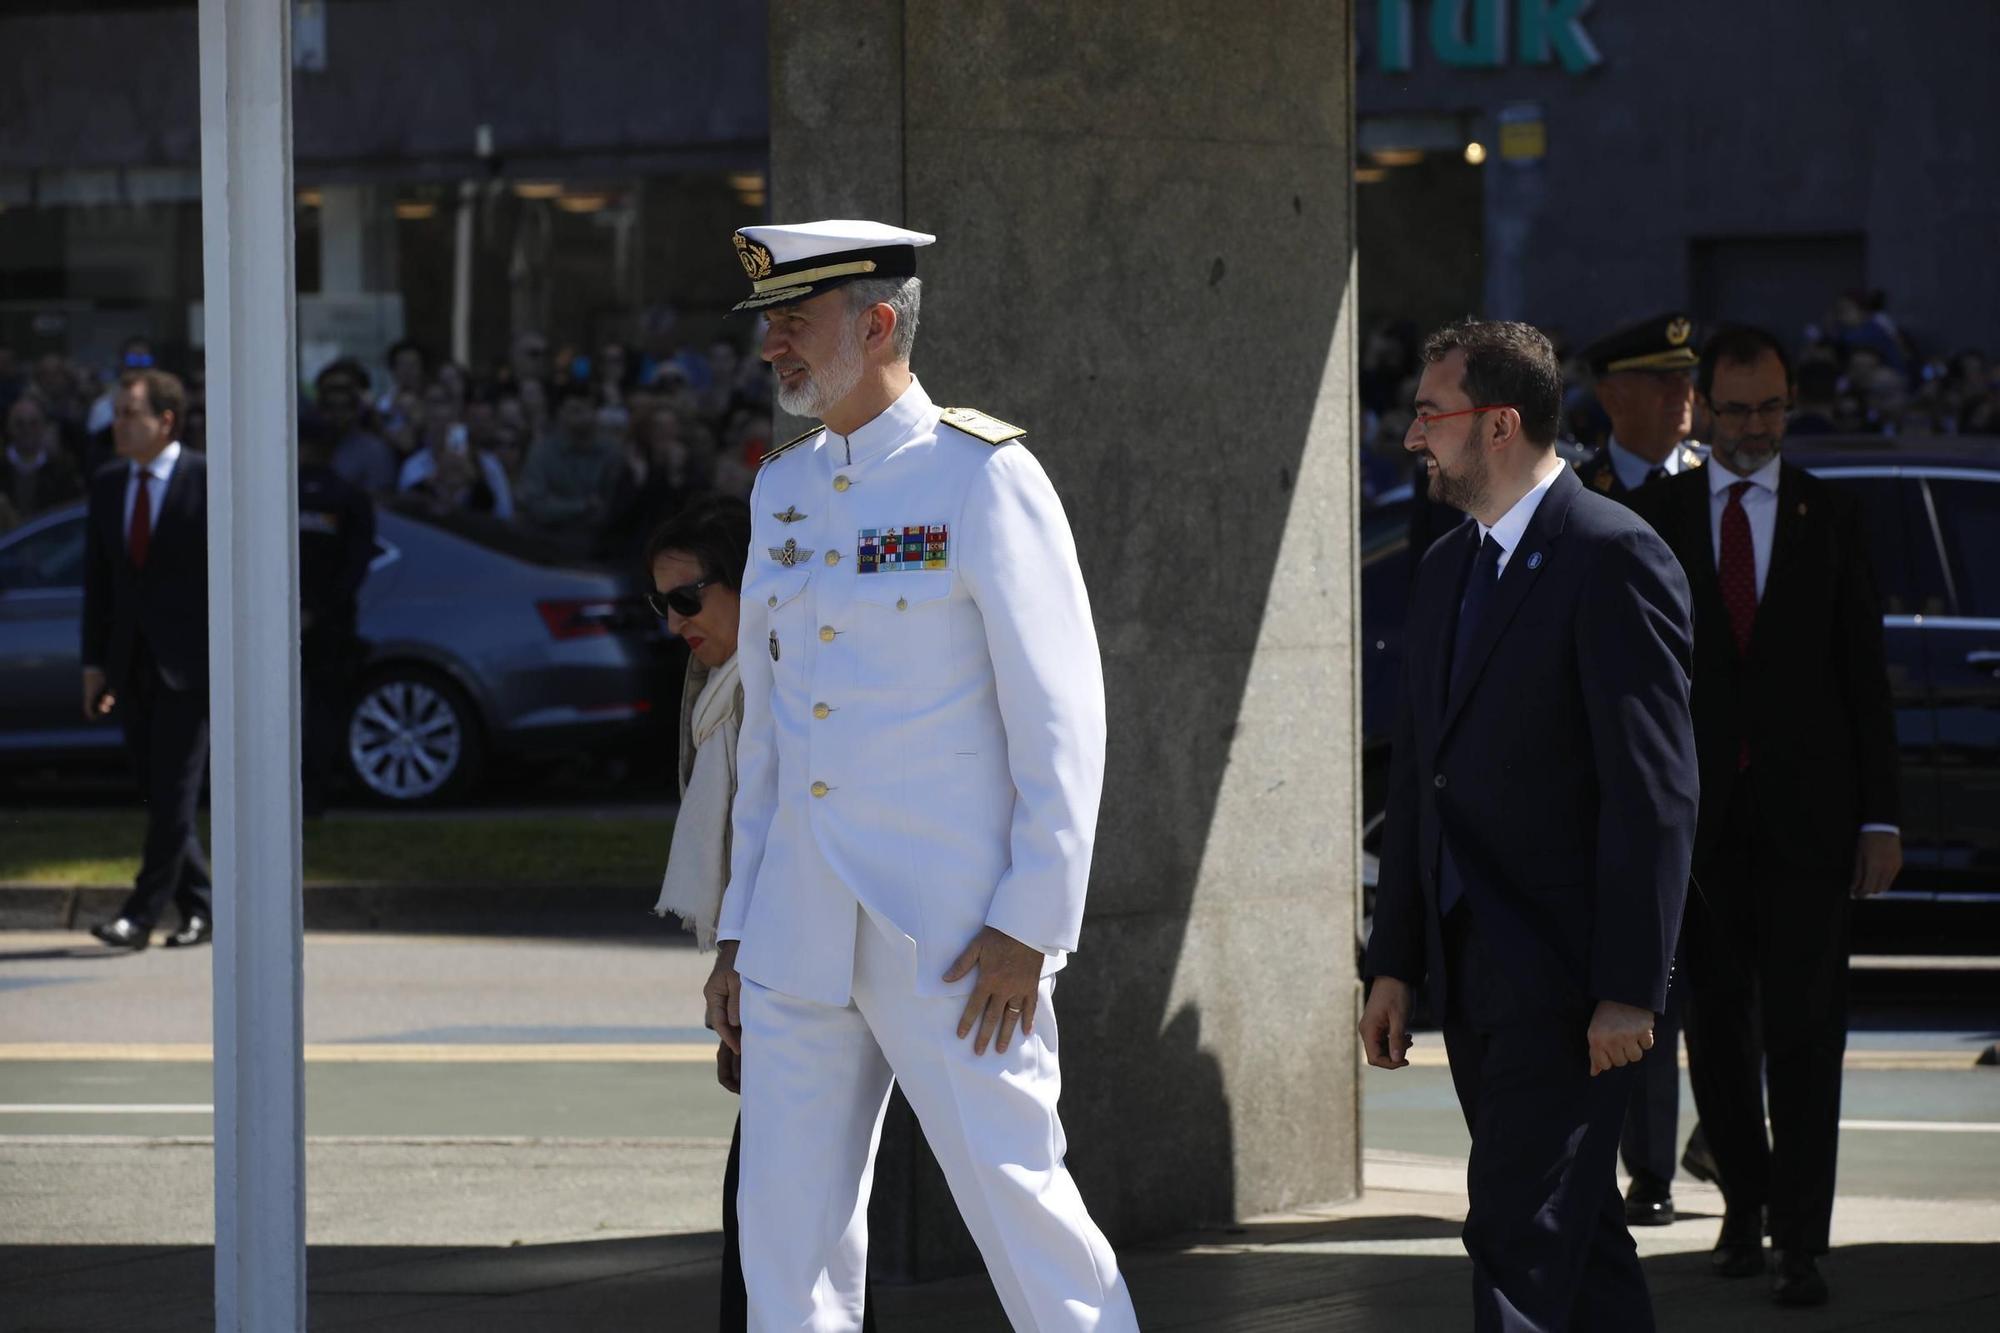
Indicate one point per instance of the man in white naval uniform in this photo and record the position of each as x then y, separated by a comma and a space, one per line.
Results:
920, 765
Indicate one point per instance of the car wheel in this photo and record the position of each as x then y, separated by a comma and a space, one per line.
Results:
412, 738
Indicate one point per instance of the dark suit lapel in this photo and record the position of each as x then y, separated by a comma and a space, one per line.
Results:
175, 505
1787, 540
1524, 566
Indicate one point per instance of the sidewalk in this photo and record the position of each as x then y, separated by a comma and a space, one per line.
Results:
1389, 1261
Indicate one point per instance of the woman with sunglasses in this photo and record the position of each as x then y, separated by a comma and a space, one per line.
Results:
697, 559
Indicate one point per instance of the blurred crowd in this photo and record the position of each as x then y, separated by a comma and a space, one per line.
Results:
589, 449
1859, 372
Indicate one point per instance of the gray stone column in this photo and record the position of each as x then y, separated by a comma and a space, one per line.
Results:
1145, 257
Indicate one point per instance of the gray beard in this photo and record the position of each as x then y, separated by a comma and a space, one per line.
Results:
832, 382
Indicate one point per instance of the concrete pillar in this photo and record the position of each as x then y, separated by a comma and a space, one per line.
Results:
1146, 259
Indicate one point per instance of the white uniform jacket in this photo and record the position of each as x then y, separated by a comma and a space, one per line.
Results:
923, 706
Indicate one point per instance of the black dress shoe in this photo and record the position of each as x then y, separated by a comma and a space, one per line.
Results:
123, 933
1649, 1202
1698, 1161
1739, 1251
198, 930
1796, 1279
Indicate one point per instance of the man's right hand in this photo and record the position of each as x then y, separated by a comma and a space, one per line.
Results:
98, 700
1385, 1024
723, 994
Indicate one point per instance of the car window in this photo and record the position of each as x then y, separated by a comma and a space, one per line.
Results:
1884, 510
51, 557
1969, 521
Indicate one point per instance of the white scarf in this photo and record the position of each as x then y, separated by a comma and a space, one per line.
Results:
698, 860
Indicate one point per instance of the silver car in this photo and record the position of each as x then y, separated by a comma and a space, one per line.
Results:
483, 643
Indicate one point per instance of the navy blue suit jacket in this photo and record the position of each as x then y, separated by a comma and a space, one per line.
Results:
1562, 769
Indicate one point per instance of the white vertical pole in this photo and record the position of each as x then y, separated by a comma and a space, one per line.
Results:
246, 168
461, 277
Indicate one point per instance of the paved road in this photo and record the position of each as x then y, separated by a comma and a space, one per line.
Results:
420, 1042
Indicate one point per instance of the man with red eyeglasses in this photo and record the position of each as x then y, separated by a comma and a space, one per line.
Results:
1540, 824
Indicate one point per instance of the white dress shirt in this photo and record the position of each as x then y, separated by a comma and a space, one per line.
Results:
1760, 506
1633, 470
1513, 525
157, 474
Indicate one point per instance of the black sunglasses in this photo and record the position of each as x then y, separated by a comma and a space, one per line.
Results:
683, 601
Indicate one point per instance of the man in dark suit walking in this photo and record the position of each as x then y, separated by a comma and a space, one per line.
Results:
1540, 824
1799, 808
145, 645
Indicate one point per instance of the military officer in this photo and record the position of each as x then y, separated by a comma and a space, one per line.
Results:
920, 765
1644, 378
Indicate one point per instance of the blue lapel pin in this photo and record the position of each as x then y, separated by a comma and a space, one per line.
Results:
1535, 560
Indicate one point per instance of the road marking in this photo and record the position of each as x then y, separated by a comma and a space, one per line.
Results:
1927, 1126
106, 1108
1432, 1056
380, 1053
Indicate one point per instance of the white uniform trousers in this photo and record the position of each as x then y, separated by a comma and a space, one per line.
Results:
816, 1081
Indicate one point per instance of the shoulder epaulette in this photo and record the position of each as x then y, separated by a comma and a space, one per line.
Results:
792, 443
980, 426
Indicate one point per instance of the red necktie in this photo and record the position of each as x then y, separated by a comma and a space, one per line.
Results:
1738, 572
140, 535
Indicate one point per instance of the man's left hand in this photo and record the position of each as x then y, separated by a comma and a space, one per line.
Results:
1878, 859
1619, 1035
1010, 982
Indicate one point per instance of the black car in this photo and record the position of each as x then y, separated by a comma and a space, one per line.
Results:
1933, 512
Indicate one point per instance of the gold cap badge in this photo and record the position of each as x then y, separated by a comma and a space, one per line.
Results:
756, 260
1678, 331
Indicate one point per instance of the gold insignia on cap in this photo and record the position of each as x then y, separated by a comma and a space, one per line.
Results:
756, 260
1679, 331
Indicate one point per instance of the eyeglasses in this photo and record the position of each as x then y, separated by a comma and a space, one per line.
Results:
1741, 414
1425, 420
683, 601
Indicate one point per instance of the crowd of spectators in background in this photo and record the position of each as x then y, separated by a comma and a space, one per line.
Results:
591, 451
1859, 372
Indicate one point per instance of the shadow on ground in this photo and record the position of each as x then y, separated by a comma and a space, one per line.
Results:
1402, 1273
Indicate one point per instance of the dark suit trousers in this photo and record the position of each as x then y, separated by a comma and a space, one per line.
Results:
1651, 1145
1768, 949
166, 733
1546, 1230
735, 1315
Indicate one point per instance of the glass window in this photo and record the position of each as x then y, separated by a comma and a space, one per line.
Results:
1969, 517
50, 557
1882, 510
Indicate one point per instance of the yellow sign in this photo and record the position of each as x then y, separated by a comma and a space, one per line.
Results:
1524, 141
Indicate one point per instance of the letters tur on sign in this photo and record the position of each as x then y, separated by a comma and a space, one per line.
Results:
1472, 34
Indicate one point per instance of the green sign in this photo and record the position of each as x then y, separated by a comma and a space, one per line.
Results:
1473, 34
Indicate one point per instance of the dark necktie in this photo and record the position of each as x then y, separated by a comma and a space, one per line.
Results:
1737, 571
1738, 568
1480, 581
1479, 584
140, 535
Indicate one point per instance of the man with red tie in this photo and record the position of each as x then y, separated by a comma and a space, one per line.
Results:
145, 645
1796, 738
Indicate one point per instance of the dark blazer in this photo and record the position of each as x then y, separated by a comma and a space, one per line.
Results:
1812, 697
166, 604
1562, 770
